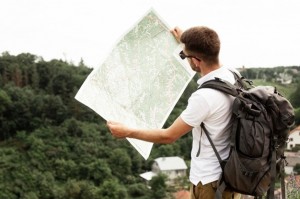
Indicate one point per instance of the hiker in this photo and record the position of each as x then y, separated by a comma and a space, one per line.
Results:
201, 46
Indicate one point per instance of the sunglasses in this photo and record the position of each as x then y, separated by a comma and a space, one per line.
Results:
183, 56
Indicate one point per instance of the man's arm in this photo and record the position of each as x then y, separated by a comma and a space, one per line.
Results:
162, 136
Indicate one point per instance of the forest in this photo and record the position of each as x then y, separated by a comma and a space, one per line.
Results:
53, 147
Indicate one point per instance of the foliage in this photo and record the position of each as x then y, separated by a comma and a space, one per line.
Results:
158, 186
295, 96
293, 188
53, 147
297, 116
285, 90
297, 168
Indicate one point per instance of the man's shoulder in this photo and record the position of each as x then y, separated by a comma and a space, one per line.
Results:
221, 73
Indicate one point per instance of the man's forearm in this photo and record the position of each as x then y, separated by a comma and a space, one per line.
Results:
160, 136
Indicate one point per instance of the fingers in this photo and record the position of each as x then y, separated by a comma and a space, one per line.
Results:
110, 125
117, 129
177, 32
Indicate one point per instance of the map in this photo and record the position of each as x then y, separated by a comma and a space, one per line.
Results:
140, 81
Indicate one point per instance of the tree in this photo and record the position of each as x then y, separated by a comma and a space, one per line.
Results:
297, 168
292, 188
249, 73
158, 186
295, 97
5, 103
165, 150
138, 190
17, 114
111, 189
297, 116
120, 164
54, 110
43, 70
97, 172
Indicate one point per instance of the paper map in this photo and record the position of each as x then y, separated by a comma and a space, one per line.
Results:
140, 81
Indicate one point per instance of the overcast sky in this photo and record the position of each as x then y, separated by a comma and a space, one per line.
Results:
253, 33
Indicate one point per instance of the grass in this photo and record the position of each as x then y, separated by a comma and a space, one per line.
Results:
285, 90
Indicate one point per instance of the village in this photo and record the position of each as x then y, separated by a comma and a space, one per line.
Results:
175, 168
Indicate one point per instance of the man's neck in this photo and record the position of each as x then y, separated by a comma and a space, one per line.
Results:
207, 69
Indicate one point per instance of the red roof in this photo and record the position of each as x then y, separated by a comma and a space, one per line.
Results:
182, 194
295, 129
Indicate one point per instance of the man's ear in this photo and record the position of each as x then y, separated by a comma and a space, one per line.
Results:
195, 61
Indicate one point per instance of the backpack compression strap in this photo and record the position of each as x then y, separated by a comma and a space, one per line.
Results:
241, 81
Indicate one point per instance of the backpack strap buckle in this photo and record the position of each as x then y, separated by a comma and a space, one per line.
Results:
219, 79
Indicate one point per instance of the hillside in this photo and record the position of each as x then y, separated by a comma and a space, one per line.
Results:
53, 147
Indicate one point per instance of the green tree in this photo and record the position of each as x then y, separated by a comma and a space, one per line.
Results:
297, 116
295, 97
97, 171
297, 168
17, 115
5, 103
120, 163
292, 188
158, 186
138, 190
165, 150
112, 189
249, 73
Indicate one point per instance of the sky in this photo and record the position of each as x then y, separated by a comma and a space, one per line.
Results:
253, 33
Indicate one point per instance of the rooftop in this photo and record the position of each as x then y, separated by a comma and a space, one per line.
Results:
171, 163
295, 130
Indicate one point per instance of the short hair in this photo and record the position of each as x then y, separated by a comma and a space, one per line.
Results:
203, 41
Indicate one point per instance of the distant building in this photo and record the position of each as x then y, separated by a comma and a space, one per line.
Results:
294, 138
292, 158
172, 167
284, 78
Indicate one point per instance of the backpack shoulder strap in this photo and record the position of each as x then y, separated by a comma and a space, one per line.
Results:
221, 85
221, 183
212, 145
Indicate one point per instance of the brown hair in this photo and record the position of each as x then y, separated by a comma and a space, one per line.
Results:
203, 42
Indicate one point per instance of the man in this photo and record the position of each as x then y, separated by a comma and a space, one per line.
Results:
201, 46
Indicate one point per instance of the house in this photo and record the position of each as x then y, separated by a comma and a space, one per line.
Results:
284, 78
294, 138
292, 158
172, 167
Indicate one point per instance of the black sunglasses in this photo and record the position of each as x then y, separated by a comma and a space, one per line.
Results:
183, 56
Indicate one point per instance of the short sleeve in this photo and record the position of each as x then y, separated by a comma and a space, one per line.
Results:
196, 111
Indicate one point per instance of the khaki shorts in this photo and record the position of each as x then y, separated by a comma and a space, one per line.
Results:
208, 192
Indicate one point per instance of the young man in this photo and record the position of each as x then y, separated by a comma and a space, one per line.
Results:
201, 46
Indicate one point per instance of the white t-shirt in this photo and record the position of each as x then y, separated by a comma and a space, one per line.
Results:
213, 108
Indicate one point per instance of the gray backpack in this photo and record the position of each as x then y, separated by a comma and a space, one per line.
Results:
261, 119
